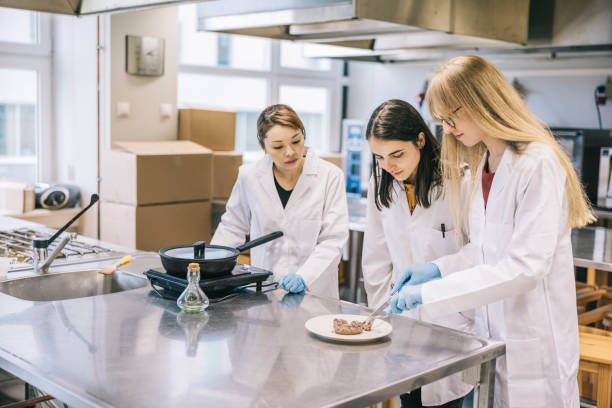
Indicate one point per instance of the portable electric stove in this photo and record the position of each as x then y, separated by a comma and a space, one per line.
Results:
171, 287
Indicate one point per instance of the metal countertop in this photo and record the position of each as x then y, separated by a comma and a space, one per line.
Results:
592, 247
135, 349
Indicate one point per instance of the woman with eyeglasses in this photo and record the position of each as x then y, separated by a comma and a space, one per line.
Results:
294, 191
409, 220
517, 268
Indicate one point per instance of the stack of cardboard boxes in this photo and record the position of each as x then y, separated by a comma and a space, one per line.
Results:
156, 194
215, 130
16, 197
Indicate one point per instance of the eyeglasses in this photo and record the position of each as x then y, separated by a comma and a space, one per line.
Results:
450, 121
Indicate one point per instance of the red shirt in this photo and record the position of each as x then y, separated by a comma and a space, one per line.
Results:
487, 180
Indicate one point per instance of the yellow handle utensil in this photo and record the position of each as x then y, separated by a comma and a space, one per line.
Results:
107, 270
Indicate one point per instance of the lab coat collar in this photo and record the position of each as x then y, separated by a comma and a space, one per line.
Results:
307, 179
499, 181
266, 178
502, 173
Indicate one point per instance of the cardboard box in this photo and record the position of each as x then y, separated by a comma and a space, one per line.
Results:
16, 197
335, 158
141, 173
213, 129
224, 173
55, 219
153, 227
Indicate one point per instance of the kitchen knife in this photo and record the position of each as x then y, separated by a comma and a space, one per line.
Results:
377, 311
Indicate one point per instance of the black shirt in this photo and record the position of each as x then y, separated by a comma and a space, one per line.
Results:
282, 193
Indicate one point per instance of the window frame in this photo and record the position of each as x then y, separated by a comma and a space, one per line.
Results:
277, 75
41, 48
37, 57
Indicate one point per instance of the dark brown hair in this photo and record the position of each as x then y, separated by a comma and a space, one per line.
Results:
279, 114
398, 120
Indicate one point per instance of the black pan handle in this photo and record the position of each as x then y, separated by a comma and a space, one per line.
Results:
259, 241
198, 250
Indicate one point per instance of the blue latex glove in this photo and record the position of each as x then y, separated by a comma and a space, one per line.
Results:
293, 283
407, 298
415, 275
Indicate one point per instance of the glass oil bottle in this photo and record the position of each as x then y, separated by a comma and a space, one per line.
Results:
193, 299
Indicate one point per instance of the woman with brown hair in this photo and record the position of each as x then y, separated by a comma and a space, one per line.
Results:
408, 221
294, 191
517, 269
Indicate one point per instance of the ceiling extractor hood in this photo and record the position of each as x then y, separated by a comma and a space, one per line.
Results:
400, 30
358, 23
86, 7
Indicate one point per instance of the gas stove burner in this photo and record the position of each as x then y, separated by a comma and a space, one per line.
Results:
17, 245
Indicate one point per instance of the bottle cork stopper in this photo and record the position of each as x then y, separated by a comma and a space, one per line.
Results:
194, 265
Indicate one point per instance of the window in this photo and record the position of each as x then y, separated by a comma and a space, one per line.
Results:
292, 57
246, 74
24, 93
18, 101
18, 26
310, 103
219, 50
246, 96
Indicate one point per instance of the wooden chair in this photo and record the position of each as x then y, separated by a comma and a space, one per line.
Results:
595, 315
580, 285
596, 362
587, 295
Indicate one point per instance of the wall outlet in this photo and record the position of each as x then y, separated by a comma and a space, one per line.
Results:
609, 87
165, 110
123, 109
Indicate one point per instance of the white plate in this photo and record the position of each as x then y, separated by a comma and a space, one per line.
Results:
323, 326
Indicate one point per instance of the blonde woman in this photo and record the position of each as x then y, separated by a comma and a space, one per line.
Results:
517, 268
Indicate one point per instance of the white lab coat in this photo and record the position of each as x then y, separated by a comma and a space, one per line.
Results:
518, 266
314, 222
393, 239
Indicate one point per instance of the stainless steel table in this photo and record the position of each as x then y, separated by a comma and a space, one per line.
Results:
133, 349
593, 248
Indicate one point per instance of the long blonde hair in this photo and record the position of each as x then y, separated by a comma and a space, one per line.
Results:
486, 96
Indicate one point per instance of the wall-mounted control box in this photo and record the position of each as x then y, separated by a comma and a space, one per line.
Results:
144, 55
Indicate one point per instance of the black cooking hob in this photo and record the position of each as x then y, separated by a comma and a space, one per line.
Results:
171, 287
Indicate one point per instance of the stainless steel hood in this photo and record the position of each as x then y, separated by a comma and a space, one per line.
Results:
360, 20
85, 7
399, 30
317, 20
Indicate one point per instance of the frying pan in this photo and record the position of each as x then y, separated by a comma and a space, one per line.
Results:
214, 260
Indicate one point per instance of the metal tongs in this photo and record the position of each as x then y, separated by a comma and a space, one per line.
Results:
377, 311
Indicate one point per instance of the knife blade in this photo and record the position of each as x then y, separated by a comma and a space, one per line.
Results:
376, 311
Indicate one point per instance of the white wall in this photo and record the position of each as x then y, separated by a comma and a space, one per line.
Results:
144, 94
75, 108
370, 84
561, 92
75, 93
